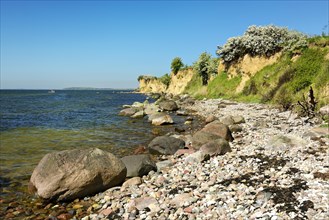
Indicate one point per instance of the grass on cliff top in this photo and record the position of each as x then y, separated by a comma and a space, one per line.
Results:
222, 86
286, 82
195, 87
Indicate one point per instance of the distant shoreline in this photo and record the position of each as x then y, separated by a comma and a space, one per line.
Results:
74, 88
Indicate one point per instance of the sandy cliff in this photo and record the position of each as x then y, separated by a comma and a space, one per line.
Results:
149, 84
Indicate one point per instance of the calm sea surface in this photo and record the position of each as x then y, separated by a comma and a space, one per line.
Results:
34, 123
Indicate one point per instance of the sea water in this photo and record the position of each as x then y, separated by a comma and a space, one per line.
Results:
36, 122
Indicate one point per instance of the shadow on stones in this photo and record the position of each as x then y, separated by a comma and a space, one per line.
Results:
286, 197
265, 162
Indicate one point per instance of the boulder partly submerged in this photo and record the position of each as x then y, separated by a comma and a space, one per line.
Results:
71, 174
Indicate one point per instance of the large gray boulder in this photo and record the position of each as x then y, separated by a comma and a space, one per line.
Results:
168, 105
219, 129
138, 165
202, 137
165, 145
71, 174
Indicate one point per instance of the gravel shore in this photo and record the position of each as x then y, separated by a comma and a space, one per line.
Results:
278, 169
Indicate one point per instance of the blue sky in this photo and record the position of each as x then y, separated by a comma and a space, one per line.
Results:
58, 44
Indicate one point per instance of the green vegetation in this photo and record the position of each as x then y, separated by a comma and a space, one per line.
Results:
146, 78
261, 41
303, 63
206, 66
165, 79
222, 86
176, 65
287, 82
195, 87
319, 41
283, 83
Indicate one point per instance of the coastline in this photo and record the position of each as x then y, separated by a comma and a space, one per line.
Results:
277, 169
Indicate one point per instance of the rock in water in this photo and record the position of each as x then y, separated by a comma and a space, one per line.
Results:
162, 120
138, 165
168, 105
71, 174
128, 111
165, 145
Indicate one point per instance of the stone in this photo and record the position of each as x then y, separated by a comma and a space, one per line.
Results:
139, 114
238, 119
197, 157
140, 150
183, 199
181, 112
210, 118
71, 174
168, 105
284, 142
163, 164
228, 120
151, 109
131, 182
184, 151
145, 202
155, 115
106, 211
138, 165
138, 105
189, 101
216, 147
235, 128
219, 129
165, 145
317, 133
162, 120
324, 110
202, 137
128, 111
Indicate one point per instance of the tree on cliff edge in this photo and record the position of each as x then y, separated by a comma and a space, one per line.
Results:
176, 65
206, 66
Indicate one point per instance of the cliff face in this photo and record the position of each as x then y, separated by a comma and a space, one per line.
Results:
247, 67
149, 84
177, 84
179, 81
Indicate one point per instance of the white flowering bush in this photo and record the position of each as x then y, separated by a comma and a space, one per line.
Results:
261, 41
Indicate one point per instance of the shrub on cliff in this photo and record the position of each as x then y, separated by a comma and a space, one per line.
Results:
165, 79
176, 65
261, 41
146, 78
206, 66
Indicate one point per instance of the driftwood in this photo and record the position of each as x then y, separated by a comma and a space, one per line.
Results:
308, 106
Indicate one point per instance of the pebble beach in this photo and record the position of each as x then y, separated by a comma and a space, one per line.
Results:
278, 169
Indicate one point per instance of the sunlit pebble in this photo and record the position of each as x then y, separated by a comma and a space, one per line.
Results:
237, 199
